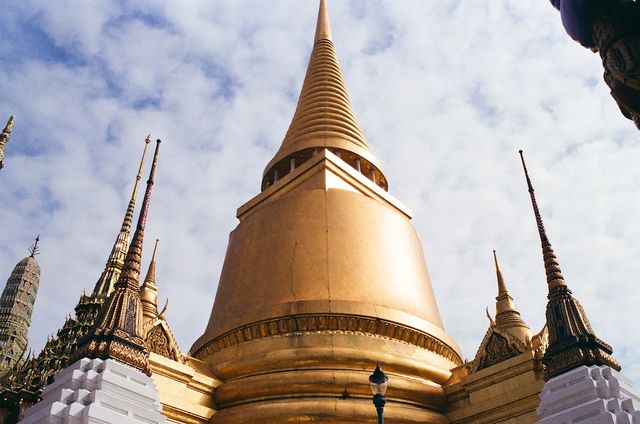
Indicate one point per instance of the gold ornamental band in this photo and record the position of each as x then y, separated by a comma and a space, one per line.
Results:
328, 323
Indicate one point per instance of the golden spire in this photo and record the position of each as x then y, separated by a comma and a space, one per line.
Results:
149, 290
572, 341
323, 27
4, 138
114, 264
324, 117
117, 332
507, 316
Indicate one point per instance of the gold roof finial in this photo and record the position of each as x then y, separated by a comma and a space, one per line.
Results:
117, 332
113, 267
149, 290
324, 117
507, 316
33, 249
572, 341
323, 26
4, 138
502, 287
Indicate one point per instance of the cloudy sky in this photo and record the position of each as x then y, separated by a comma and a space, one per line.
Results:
445, 91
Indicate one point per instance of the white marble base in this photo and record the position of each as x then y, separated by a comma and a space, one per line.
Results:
589, 395
97, 391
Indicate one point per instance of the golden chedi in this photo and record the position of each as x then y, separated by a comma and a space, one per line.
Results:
323, 278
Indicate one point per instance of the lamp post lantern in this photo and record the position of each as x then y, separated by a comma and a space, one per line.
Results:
379, 382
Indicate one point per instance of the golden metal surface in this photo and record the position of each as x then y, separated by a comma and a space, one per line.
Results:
149, 291
118, 331
505, 393
337, 250
323, 277
324, 117
185, 389
507, 316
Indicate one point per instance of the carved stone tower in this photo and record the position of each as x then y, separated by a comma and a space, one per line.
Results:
323, 278
16, 307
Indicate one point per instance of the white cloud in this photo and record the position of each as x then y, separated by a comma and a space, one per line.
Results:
446, 93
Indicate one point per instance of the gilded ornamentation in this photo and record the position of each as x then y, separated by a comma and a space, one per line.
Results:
329, 323
158, 342
118, 328
498, 349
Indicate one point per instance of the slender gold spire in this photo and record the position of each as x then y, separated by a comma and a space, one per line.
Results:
572, 341
507, 315
113, 267
4, 138
117, 332
149, 290
502, 287
323, 27
324, 117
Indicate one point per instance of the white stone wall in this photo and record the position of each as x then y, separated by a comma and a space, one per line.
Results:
589, 395
97, 391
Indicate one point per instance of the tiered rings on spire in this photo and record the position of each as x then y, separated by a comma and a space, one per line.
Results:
324, 117
507, 316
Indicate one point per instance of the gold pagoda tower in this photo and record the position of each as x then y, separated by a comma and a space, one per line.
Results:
324, 277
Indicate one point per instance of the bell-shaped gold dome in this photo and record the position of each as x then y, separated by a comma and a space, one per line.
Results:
323, 278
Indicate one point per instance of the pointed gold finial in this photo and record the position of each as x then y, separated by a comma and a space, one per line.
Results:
108, 278
502, 287
33, 249
139, 174
118, 330
4, 138
149, 290
324, 117
323, 27
572, 341
507, 315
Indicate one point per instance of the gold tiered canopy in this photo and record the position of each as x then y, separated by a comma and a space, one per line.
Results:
324, 117
324, 277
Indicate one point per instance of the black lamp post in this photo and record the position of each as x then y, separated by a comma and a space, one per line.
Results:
379, 382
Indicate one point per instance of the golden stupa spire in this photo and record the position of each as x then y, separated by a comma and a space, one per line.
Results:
117, 332
507, 315
4, 138
324, 117
111, 273
149, 290
323, 27
572, 341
